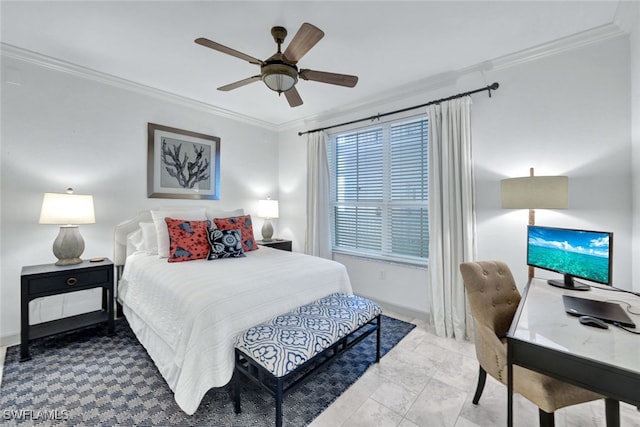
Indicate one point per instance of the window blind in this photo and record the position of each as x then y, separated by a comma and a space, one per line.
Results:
379, 191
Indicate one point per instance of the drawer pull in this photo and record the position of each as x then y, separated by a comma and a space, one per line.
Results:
72, 281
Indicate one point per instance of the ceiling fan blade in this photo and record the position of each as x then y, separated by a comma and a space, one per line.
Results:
239, 83
293, 97
331, 78
306, 37
220, 48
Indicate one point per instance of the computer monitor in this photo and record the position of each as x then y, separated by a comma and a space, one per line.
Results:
573, 253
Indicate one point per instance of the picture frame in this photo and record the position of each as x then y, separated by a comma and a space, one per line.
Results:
182, 164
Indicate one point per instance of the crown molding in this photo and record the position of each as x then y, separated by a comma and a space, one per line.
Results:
420, 87
426, 86
41, 60
627, 15
564, 44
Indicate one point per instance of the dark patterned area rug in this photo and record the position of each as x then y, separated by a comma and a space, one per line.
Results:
87, 378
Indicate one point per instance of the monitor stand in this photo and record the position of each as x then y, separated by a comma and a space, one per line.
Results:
569, 283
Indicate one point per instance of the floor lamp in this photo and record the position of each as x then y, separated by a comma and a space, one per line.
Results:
535, 192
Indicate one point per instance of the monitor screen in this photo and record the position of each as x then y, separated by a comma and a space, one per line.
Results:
574, 253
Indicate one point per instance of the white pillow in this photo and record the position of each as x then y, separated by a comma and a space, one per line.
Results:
211, 214
161, 226
149, 237
134, 242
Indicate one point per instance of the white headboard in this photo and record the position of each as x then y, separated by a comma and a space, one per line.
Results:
127, 227
122, 230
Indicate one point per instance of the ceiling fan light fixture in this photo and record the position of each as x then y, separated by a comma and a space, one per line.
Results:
280, 72
279, 77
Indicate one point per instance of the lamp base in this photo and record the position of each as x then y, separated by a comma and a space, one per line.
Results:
267, 230
68, 246
68, 261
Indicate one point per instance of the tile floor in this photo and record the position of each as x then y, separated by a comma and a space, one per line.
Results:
427, 380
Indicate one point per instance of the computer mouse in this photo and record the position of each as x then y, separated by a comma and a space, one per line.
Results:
593, 321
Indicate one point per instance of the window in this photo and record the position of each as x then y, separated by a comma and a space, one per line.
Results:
379, 191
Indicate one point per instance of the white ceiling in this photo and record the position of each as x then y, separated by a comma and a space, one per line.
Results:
388, 44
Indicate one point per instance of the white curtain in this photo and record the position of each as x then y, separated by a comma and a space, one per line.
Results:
451, 215
318, 237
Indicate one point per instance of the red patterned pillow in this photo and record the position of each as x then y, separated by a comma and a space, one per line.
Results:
243, 223
187, 239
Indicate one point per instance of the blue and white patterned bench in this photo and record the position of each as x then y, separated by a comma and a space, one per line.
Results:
280, 348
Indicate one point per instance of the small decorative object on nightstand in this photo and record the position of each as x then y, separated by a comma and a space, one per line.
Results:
282, 244
48, 279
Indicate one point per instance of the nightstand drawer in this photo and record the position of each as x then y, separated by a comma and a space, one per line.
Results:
282, 244
67, 282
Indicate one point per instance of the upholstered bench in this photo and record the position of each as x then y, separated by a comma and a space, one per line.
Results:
281, 353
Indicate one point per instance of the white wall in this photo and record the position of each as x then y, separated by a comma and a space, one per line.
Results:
567, 113
60, 129
635, 137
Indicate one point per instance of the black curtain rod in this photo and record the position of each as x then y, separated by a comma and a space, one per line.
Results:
489, 88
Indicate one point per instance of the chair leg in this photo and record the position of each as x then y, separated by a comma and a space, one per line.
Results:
546, 419
482, 379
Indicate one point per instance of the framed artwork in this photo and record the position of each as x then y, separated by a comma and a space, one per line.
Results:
182, 164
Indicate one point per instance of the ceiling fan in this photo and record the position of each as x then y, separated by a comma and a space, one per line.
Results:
280, 72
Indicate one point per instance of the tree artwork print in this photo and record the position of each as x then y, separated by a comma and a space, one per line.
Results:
182, 164
188, 169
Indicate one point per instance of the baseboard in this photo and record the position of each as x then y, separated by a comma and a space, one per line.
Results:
10, 340
404, 311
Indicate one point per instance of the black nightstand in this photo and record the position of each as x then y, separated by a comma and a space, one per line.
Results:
49, 279
282, 244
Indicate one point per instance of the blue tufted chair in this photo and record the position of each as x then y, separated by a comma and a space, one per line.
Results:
494, 298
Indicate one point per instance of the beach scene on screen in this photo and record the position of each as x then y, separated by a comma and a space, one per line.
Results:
582, 254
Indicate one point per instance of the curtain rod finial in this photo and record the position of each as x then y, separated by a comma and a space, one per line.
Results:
494, 86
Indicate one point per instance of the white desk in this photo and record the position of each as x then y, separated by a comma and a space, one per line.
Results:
544, 338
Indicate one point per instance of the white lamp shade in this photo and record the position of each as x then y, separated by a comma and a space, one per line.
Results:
67, 209
535, 192
268, 209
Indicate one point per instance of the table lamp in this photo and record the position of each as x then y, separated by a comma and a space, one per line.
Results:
535, 192
267, 209
67, 210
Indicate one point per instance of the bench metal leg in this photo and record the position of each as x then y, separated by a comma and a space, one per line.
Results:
378, 340
279, 402
235, 386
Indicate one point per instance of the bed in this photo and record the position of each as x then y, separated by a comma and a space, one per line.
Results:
187, 314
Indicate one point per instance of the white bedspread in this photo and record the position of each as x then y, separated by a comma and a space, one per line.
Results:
187, 314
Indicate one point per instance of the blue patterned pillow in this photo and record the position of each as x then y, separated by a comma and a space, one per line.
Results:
224, 243
242, 223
